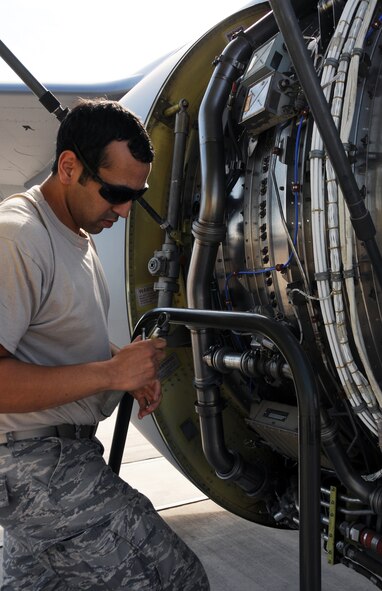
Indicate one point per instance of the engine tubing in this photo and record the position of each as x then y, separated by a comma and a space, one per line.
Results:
360, 216
367, 492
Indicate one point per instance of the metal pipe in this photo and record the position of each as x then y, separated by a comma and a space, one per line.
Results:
224, 360
365, 560
359, 215
368, 492
309, 426
180, 138
167, 284
209, 230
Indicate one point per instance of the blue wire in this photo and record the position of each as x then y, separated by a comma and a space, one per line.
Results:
296, 196
372, 29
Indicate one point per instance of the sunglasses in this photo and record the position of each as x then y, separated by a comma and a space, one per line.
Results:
114, 194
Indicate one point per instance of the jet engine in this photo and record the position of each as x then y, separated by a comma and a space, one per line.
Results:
247, 214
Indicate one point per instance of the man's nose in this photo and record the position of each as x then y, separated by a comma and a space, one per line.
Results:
123, 209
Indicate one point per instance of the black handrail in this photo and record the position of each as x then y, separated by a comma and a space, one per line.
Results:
309, 415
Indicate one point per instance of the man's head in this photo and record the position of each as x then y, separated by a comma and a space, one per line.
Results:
103, 159
93, 124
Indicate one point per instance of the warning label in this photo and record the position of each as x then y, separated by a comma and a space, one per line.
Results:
146, 296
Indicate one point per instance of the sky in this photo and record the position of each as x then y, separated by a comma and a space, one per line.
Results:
84, 41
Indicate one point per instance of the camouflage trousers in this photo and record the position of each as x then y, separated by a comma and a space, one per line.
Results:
71, 523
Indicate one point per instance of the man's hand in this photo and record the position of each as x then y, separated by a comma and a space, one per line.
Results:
148, 398
136, 367
149, 395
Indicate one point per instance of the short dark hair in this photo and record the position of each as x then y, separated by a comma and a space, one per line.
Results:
92, 124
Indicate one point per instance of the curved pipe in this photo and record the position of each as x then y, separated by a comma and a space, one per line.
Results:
209, 229
367, 492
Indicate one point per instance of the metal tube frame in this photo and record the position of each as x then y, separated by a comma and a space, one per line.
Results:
309, 415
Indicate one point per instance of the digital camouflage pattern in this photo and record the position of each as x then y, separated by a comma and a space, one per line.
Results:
71, 523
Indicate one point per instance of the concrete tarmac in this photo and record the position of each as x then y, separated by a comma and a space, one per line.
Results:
238, 555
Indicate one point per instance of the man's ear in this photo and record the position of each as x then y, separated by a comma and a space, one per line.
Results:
68, 167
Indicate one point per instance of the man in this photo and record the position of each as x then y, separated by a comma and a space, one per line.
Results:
70, 522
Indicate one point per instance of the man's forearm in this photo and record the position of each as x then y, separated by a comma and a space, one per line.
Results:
28, 388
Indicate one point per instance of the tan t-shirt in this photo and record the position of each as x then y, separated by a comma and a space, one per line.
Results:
53, 303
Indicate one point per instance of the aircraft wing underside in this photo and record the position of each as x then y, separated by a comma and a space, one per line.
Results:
28, 130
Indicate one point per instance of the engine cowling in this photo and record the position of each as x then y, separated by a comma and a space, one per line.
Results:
254, 220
